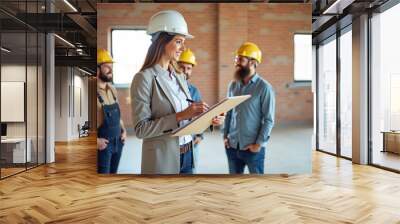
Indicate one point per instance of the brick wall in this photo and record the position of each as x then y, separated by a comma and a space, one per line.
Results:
219, 30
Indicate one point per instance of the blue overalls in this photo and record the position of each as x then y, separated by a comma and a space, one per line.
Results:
108, 158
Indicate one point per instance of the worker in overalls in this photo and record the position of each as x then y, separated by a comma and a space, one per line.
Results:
186, 62
111, 133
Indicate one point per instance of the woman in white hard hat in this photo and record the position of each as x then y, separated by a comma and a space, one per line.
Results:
161, 100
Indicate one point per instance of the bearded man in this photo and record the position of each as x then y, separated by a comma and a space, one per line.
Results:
111, 133
248, 126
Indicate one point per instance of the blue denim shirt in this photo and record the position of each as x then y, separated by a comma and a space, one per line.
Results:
196, 96
194, 93
250, 122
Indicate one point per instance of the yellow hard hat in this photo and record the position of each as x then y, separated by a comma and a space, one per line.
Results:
103, 56
251, 50
188, 57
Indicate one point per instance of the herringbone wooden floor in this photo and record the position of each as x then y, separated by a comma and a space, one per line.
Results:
70, 191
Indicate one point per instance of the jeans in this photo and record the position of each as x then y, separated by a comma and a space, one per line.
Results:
187, 162
108, 158
238, 159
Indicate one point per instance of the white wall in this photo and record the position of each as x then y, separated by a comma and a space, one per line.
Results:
61, 103
71, 93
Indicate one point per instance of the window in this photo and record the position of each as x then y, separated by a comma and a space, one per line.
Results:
22, 74
302, 57
129, 48
346, 93
394, 102
334, 106
385, 88
327, 96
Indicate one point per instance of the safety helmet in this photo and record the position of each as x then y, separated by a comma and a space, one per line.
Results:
103, 56
169, 21
187, 57
251, 50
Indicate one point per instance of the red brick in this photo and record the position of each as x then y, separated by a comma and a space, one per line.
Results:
219, 29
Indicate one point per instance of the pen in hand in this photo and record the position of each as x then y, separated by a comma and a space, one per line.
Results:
192, 101
200, 102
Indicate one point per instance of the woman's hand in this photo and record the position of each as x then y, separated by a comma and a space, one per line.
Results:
193, 110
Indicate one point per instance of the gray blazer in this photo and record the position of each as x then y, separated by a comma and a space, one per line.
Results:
154, 115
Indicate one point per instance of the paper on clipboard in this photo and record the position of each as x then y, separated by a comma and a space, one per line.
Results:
203, 121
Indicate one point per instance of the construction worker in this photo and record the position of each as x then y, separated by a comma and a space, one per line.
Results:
161, 101
186, 62
248, 126
111, 134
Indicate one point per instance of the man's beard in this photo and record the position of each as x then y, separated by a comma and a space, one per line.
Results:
104, 77
242, 73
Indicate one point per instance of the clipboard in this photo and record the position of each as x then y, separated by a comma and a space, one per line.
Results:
203, 121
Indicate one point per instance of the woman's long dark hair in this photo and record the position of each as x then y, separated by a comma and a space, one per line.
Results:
156, 50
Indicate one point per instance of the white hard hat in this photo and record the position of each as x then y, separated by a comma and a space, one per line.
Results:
169, 21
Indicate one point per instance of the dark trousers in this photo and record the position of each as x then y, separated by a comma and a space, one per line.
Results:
108, 158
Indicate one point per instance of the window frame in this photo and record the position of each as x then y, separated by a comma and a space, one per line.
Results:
333, 37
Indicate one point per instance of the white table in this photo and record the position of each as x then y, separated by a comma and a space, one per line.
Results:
19, 153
